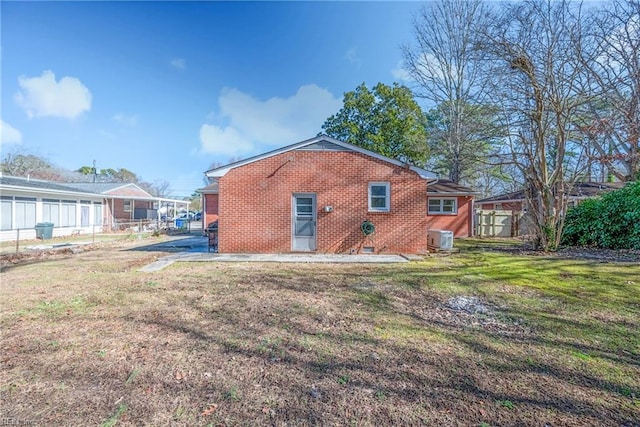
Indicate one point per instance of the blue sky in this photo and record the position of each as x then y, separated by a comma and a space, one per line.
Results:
166, 88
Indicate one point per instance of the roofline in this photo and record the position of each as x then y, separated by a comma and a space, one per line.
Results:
457, 193
203, 191
127, 184
49, 191
222, 171
101, 196
501, 201
162, 199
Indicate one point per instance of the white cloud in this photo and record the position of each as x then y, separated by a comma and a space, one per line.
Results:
245, 124
43, 96
126, 120
179, 63
352, 56
227, 141
9, 134
400, 74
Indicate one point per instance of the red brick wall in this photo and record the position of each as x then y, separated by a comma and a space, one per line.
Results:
210, 209
119, 213
255, 203
461, 224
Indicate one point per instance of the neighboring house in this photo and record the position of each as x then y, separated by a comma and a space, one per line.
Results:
209, 204
315, 196
505, 215
72, 207
516, 201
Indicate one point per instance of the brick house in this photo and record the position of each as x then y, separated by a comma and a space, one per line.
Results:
450, 207
315, 195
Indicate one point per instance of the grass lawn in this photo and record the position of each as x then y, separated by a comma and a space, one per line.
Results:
485, 337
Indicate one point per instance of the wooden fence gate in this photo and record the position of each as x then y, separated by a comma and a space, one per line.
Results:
497, 223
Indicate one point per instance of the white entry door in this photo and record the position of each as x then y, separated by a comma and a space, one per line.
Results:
304, 222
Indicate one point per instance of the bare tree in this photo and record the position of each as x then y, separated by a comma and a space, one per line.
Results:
539, 86
442, 61
217, 164
24, 164
158, 188
611, 123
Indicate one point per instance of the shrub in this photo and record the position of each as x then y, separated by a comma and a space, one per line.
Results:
611, 221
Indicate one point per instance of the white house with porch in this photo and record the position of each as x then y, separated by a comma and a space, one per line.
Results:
73, 208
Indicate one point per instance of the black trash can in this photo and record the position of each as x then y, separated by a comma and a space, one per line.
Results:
44, 230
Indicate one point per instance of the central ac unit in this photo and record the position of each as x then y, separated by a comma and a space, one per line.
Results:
441, 239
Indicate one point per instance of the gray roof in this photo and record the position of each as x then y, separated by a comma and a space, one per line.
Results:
447, 187
575, 190
96, 187
79, 188
39, 184
211, 188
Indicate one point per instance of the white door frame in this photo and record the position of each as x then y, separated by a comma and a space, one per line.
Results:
307, 241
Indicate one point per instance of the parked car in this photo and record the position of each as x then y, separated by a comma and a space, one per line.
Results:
198, 216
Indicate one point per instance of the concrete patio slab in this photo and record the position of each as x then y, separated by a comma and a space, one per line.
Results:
283, 258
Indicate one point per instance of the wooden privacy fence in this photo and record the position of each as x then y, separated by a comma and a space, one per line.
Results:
497, 223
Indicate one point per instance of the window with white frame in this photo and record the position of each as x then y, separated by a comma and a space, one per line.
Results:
127, 205
443, 206
68, 213
85, 208
25, 209
97, 213
51, 211
379, 197
6, 213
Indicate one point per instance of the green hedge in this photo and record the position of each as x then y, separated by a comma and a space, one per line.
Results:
611, 221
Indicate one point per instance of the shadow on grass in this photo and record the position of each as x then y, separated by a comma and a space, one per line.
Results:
409, 370
414, 376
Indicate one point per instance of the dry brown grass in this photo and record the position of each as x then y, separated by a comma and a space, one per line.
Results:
89, 340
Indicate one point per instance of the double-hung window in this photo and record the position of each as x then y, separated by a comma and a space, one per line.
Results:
379, 197
444, 206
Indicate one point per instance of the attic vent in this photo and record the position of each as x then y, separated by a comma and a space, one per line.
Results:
368, 250
323, 146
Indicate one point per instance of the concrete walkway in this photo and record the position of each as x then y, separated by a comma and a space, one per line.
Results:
289, 258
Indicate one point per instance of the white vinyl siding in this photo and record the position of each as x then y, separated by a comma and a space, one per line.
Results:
379, 197
443, 206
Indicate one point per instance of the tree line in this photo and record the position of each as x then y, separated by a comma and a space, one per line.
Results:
530, 94
24, 164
